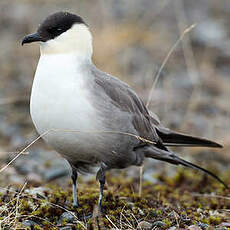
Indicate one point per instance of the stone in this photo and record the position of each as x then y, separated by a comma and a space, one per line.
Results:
159, 224
172, 228
203, 225
194, 227
67, 216
144, 225
29, 223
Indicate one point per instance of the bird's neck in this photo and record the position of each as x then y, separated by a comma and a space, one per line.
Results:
76, 42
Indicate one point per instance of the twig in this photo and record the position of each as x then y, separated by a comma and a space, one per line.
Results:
187, 30
17, 202
140, 180
111, 222
189, 60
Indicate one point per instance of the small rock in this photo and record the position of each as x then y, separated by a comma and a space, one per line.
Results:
28, 223
131, 204
66, 228
159, 224
194, 227
173, 228
141, 212
39, 191
144, 225
224, 224
203, 226
67, 216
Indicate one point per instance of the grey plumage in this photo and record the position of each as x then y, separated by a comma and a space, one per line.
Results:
123, 111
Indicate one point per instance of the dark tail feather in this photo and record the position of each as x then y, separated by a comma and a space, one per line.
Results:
159, 154
191, 165
171, 138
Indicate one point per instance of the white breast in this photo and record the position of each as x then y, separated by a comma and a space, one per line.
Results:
60, 101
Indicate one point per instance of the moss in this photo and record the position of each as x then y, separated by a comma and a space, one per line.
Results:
214, 220
124, 207
159, 212
167, 222
37, 227
79, 226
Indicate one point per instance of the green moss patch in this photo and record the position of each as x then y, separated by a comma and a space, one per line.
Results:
187, 198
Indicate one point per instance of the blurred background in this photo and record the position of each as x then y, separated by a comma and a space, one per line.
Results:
131, 40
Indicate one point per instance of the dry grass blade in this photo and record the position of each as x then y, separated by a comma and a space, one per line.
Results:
187, 30
17, 203
121, 217
18, 155
58, 206
127, 224
17, 152
23, 151
40, 218
111, 222
190, 61
20, 194
11, 219
140, 180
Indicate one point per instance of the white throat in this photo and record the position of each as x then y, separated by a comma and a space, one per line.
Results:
77, 41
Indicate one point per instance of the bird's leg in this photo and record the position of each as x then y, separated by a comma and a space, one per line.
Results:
74, 185
101, 177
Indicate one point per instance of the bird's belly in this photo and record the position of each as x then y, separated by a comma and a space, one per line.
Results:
61, 110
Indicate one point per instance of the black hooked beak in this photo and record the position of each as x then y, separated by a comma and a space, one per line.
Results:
31, 38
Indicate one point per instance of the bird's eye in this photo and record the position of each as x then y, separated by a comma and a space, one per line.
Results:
54, 30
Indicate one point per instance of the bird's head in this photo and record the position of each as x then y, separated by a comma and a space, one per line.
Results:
62, 32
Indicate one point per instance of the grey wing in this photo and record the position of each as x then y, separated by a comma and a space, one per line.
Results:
146, 124
124, 98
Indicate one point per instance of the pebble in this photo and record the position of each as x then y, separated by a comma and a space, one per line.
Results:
67, 216
141, 212
66, 228
39, 191
159, 224
203, 226
144, 225
172, 228
225, 224
194, 227
29, 223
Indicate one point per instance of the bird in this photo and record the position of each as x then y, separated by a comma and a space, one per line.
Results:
93, 119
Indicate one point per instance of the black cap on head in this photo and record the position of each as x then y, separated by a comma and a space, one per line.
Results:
53, 26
